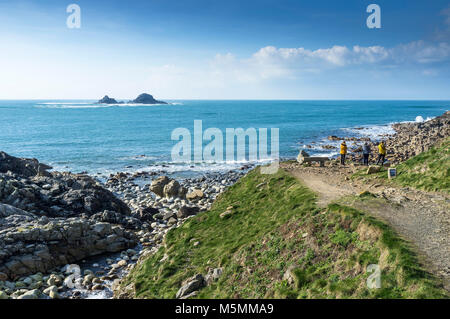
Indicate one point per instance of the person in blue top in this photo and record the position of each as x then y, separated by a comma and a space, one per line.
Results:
366, 153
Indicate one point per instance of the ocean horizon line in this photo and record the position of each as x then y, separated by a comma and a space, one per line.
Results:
248, 99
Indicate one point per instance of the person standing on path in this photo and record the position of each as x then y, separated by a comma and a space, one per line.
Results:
381, 153
343, 152
366, 153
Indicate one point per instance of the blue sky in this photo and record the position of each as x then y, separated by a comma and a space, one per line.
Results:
225, 50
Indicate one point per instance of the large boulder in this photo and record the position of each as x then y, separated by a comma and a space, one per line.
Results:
146, 214
166, 187
174, 189
171, 189
195, 195
191, 285
186, 211
373, 169
158, 184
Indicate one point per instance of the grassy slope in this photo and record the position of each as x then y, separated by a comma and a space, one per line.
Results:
429, 171
275, 225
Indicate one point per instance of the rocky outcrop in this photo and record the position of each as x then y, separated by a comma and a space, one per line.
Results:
191, 285
62, 218
108, 100
61, 195
146, 99
410, 139
50, 219
414, 138
22, 166
30, 244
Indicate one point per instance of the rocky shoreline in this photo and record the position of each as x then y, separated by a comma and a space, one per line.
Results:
52, 224
409, 139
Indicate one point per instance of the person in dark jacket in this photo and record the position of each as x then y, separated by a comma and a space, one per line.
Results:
366, 153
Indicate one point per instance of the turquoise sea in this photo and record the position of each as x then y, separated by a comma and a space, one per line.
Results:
84, 136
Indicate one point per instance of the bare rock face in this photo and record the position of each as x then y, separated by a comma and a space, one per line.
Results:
61, 195
51, 219
22, 166
30, 244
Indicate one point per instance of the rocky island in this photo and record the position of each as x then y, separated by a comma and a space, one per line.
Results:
145, 98
107, 100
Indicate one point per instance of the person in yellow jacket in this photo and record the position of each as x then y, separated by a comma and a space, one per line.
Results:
343, 152
381, 153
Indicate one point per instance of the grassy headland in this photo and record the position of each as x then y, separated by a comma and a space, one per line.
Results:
274, 242
429, 170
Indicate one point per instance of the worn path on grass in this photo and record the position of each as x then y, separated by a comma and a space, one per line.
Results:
420, 217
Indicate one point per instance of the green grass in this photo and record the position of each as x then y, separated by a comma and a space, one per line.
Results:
402, 274
275, 225
429, 170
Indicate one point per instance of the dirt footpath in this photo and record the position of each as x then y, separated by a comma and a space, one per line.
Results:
420, 217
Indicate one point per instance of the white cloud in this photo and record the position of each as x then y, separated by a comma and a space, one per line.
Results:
228, 73
371, 54
270, 62
335, 55
340, 56
421, 52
